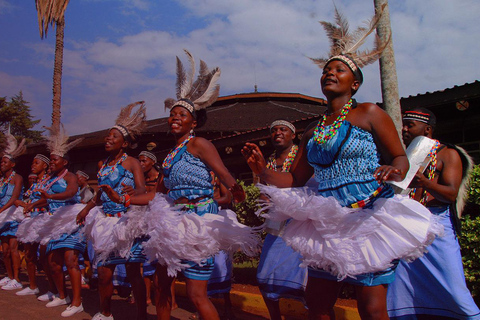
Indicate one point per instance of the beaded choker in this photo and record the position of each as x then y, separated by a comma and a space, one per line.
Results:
319, 134
272, 160
167, 163
5, 180
112, 169
430, 171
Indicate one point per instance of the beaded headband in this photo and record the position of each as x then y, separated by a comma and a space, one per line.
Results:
283, 123
83, 174
148, 155
122, 130
32, 175
131, 123
43, 158
419, 116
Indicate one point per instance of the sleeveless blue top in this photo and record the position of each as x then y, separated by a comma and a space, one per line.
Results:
59, 187
344, 165
188, 177
6, 193
115, 179
34, 197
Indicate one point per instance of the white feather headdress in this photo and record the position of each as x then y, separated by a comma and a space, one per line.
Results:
198, 94
13, 149
57, 141
131, 125
345, 45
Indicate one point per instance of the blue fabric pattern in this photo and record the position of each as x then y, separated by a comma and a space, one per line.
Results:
344, 165
58, 187
344, 168
188, 177
9, 229
115, 180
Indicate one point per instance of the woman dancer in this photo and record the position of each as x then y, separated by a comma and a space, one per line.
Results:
344, 151
11, 185
119, 171
27, 229
188, 182
63, 240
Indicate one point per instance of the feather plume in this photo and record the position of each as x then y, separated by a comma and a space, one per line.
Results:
467, 167
203, 92
14, 149
134, 123
57, 140
348, 44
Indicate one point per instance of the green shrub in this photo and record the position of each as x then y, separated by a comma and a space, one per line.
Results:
246, 210
474, 190
470, 244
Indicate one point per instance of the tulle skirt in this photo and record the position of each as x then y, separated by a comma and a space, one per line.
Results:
9, 220
176, 235
63, 221
29, 229
116, 240
348, 242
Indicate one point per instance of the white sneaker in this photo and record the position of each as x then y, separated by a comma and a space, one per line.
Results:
12, 285
47, 297
4, 281
58, 302
71, 310
27, 292
100, 316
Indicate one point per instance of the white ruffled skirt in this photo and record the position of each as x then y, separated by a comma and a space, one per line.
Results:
176, 235
29, 230
63, 221
348, 242
11, 214
115, 236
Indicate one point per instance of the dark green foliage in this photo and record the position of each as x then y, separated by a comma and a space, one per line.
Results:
16, 113
474, 190
246, 210
470, 244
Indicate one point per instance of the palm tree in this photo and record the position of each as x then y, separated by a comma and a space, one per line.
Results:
53, 12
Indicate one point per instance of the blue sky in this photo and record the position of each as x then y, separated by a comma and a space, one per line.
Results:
117, 51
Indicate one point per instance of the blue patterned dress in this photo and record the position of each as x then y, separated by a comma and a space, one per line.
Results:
190, 178
75, 240
9, 228
344, 168
115, 179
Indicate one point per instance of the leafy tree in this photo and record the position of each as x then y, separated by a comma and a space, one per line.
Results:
16, 114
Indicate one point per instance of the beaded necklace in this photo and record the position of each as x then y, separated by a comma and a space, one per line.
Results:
272, 160
320, 136
112, 169
430, 172
167, 163
47, 187
5, 180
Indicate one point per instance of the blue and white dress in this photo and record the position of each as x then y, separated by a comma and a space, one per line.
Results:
186, 237
434, 284
9, 226
104, 223
350, 228
28, 229
59, 210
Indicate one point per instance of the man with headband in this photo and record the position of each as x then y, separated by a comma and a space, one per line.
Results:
278, 273
86, 192
434, 285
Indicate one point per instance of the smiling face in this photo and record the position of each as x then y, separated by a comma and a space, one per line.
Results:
181, 121
38, 166
282, 137
57, 163
337, 78
6, 165
115, 141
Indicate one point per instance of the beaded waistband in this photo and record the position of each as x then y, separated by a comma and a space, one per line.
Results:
195, 204
365, 202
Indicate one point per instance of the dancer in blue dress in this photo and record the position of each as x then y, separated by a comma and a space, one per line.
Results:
279, 273
187, 234
433, 286
11, 186
33, 222
350, 228
121, 174
64, 241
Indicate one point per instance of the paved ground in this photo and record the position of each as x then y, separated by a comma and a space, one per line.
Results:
13, 307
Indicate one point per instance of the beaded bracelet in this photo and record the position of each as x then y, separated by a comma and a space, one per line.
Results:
126, 198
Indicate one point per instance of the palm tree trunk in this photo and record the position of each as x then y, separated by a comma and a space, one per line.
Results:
57, 73
388, 72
